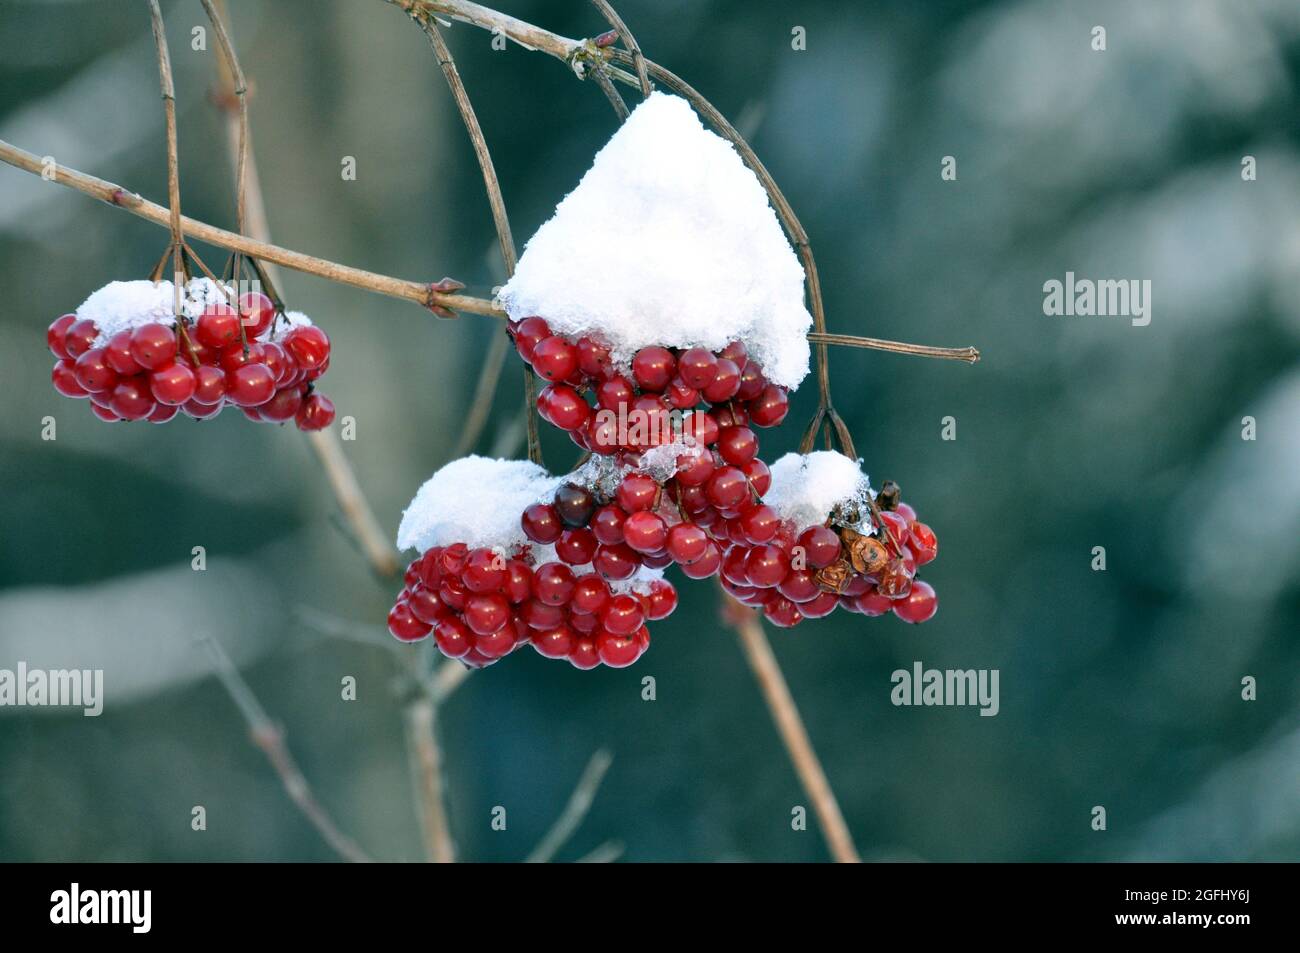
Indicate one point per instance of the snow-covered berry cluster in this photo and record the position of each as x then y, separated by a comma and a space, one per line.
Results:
546, 580
125, 352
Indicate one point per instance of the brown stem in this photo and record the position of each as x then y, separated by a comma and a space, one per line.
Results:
579, 804
233, 80
776, 693
638, 60
173, 155
426, 771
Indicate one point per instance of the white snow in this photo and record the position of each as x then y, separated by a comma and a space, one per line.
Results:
474, 500
127, 305
806, 487
668, 239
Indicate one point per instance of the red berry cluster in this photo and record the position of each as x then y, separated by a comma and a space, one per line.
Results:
582, 380
152, 373
481, 605
806, 574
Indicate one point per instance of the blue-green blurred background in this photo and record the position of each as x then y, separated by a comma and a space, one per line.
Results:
1118, 688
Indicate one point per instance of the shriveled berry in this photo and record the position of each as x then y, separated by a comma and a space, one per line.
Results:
923, 543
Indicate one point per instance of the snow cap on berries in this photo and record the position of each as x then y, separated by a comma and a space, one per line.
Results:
807, 487
127, 305
668, 240
474, 500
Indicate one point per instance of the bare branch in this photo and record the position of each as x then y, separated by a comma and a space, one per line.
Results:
624, 34
426, 773
574, 812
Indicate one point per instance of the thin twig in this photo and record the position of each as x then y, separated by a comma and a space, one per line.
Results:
168, 88
426, 295
480, 407
601, 76
235, 85
624, 34
575, 811
776, 693
270, 739
426, 773
605, 853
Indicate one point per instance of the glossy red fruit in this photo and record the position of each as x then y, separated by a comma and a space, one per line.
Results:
209, 384
617, 561
576, 546
486, 612
454, 638
237, 355
679, 395
64, 378
759, 524
518, 585
173, 384
425, 604
614, 393
697, 367
727, 487
118, 354
645, 532
538, 615
308, 345
752, 382
733, 566
820, 606
553, 584
250, 385
541, 523
56, 334
702, 428
919, 605
622, 614
766, 566
316, 413
584, 654
663, 600
590, 593
821, 546
404, 626
593, 358
726, 381
256, 311
653, 368
79, 337
555, 359
686, 543
562, 406
782, 613
707, 565
527, 333
923, 543
281, 364
737, 445
607, 524
484, 571
162, 413
636, 492
769, 408
896, 524
105, 414
283, 405
574, 504
554, 643
760, 477
799, 586
153, 345
93, 371
131, 399
617, 651
218, 327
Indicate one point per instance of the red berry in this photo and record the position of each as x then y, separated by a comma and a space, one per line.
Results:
93, 371
554, 358
923, 543
645, 532
799, 586
425, 604
680, 396
281, 364
617, 651
584, 654
636, 492
560, 404
760, 477
153, 345
870, 603
607, 524
697, 367
574, 504
201, 411
707, 565
283, 405
782, 612
617, 561
752, 382
256, 311
118, 354
759, 524
484, 571
554, 643
64, 377
766, 566
663, 600
727, 487
404, 626
769, 408
593, 358
316, 413
906, 511
653, 368
820, 606
702, 428
541, 523
736, 352
104, 414
590, 593
56, 334
308, 345
79, 337
250, 385
173, 384
614, 393
527, 334
622, 614
131, 399
686, 543
553, 584
726, 381
218, 326
919, 605
538, 615
576, 546
821, 546
737, 445
733, 566
453, 637
486, 612
519, 582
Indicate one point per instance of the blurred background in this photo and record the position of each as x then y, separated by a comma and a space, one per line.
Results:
1119, 688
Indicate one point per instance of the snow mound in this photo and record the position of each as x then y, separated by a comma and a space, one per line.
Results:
806, 487
474, 500
127, 305
668, 239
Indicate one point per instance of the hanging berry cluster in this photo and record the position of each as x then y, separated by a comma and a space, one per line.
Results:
147, 364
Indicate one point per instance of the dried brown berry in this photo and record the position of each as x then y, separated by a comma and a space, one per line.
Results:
835, 577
